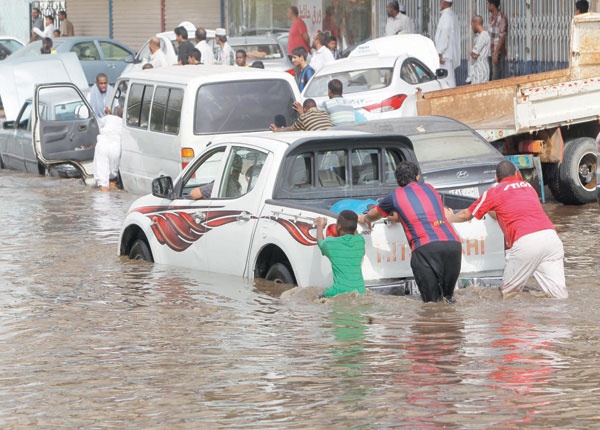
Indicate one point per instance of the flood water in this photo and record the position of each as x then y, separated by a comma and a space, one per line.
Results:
91, 340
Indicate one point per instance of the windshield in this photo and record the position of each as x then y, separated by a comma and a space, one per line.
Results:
354, 81
12, 45
249, 105
34, 48
451, 145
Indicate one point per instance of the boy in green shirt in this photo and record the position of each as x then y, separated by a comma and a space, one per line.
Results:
345, 252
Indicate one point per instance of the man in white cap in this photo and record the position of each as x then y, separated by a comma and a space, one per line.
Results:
225, 55
447, 40
397, 21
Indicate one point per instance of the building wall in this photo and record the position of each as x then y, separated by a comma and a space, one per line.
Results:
89, 17
15, 20
135, 21
201, 13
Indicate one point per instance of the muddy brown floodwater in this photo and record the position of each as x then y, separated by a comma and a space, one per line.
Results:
91, 340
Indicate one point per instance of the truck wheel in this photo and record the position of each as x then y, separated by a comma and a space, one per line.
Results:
574, 181
140, 251
280, 273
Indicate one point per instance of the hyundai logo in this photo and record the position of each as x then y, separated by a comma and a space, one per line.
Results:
462, 174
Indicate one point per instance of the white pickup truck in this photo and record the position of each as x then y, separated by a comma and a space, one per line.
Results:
261, 196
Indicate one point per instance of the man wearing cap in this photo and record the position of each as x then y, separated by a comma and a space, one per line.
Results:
397, 21
447, 40
225, 55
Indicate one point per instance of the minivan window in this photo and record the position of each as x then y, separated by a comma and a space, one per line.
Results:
166, 110
230, 107
138, 105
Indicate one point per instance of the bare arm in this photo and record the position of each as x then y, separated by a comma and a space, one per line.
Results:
306, 38
371, 216
461, 216
276, 129
321, 222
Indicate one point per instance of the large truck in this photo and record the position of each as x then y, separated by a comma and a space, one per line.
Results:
546, 123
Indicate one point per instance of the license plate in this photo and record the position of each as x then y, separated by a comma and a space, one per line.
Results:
468, 192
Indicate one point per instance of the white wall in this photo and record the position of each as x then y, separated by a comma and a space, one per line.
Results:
14, 20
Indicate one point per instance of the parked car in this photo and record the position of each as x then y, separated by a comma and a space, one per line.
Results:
168, 44
8, 45
263, 226
453, 157
381, 77
377, 87
266, 49
54, 132
96, 54
172, 113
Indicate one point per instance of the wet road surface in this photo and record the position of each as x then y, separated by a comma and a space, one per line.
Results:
91, 340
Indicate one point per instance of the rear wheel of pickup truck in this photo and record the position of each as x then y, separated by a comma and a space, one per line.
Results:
140, 251
280, 273
573, 182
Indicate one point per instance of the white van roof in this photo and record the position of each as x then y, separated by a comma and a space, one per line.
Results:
190, 74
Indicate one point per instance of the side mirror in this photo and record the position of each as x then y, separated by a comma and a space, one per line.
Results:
162, 187
441, 73
130, 59
8, 124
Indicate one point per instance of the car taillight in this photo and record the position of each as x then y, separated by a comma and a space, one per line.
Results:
387, 105
187, 155
291, 72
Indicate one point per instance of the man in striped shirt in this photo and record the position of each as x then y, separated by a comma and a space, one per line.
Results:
340, 111
436, 248
310, 118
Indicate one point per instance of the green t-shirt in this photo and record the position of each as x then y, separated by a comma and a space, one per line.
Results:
346, 254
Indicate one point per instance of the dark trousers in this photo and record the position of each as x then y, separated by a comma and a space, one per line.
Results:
436, 267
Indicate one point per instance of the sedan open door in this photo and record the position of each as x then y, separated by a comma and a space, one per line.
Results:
64, 129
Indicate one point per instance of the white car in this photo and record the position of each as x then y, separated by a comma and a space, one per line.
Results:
168, 44
381, 85
261, 196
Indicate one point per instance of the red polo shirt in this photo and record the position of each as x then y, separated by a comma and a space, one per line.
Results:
517, 206
295, 38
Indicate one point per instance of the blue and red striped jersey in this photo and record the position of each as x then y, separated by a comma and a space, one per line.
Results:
421, 213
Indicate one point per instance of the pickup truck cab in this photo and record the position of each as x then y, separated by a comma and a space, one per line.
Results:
262, 194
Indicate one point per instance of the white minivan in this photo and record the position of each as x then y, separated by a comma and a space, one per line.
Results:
171, 113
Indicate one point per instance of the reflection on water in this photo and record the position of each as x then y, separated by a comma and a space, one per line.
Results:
91, 340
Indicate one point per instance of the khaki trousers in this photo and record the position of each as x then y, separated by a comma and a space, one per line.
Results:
539, 254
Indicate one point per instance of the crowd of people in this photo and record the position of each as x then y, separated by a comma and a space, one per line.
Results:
47, 28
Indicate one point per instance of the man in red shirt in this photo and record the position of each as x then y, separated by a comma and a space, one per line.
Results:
436, 248
533, 247
298, 32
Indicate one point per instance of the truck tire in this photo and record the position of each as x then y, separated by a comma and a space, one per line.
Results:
280, 273
140, 251
573, 182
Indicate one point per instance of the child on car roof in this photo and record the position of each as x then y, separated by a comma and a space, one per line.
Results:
345, 252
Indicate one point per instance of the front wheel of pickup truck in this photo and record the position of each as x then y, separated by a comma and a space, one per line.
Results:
140, 251
279, 273
573, 182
